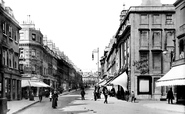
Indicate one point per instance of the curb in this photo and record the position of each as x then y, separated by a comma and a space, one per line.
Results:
65, 93
24, 108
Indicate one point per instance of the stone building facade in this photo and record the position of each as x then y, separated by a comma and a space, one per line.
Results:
144, 33
10, 78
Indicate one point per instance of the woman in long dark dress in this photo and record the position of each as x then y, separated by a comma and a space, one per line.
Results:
55, 99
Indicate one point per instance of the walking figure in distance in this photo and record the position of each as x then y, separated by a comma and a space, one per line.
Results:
54, 99
105, 93
133, 97
95, 93
50, 96
40, 95
83, 94
170, 96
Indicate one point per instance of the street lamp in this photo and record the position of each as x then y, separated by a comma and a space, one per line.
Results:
96, 51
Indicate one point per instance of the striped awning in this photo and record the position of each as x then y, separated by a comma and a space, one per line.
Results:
176, 76
27, 83
121, 80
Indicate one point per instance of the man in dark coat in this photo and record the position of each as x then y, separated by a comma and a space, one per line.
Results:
55, 99
83, 94
170, 96
105, 93
40, 95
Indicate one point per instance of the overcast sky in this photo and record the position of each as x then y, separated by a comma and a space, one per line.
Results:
77, 27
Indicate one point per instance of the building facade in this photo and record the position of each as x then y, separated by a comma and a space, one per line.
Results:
180, 48
145, 32
10, 78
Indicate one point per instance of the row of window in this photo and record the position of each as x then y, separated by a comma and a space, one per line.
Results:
9, 32
156, 19
34, 36
156, 38
10, 59
34, 53
156, 59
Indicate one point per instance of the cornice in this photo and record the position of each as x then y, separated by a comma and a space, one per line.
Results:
11, 19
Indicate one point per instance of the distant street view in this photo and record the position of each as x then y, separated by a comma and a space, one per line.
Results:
86, 57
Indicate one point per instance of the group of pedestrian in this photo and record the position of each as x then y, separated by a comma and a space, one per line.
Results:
97, 92
52, 96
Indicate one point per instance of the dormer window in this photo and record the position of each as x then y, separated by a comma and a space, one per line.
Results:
33, 37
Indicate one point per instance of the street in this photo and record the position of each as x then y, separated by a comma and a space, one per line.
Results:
72, 104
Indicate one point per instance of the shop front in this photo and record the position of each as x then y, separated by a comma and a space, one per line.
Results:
175, 78
12, 87
122, 85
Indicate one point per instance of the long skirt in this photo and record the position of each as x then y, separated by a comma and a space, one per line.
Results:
54, 103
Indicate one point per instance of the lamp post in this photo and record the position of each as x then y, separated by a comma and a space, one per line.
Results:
96, 51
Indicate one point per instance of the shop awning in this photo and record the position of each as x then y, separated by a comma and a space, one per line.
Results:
102, 83
176, 76
121, 80
26, 83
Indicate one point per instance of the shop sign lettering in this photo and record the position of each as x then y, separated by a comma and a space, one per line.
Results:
142, 65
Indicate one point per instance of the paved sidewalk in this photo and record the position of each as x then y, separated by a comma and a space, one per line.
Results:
19, 105
163, 105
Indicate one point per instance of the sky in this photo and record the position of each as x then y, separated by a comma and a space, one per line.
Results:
77, 27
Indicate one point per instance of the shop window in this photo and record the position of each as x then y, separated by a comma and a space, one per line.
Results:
144, 85
6, 87
156, 19
144, 38
181, 49
156, 90
156, 39
144, 19
169, 20
157, 61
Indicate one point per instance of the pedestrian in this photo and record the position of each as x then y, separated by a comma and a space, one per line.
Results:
113, 92
54, 99
105, 93
83, 94
95, 93
133, 97
127, 95
40, 95
170, 96
50, 96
